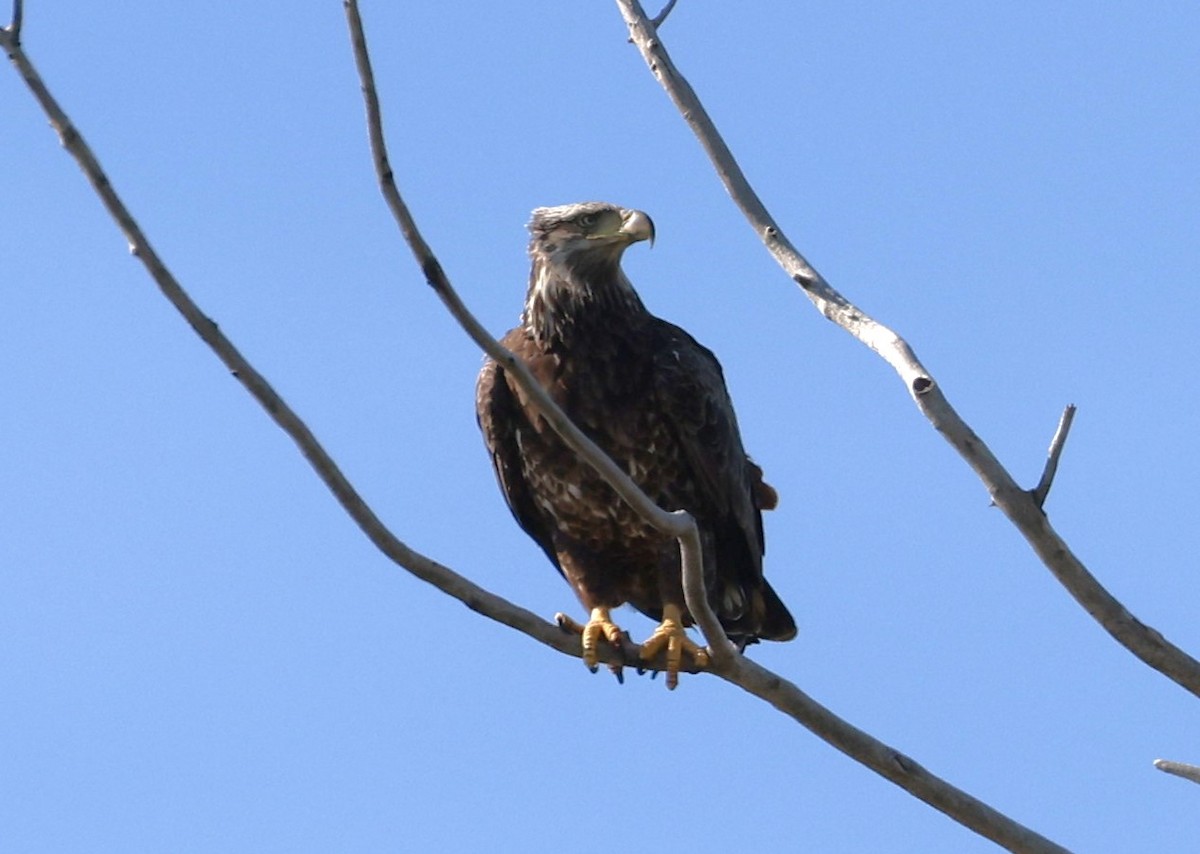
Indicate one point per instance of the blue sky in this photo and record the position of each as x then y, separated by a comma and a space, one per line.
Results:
200, 652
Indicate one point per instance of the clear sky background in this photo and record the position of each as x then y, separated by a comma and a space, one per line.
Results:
199, 651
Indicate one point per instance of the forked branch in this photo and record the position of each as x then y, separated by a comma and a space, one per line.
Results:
1020, 505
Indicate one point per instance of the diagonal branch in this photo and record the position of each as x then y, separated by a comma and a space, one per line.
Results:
887, 761
1018, 504
1179, 769
735, 668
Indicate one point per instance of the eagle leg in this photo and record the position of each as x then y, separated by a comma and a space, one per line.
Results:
598, 624
670, 636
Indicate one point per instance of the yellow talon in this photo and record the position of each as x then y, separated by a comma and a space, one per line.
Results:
598, 624
671, 636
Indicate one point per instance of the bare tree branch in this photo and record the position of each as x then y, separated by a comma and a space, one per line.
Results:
1179, 769
1016, 503
1057, 444
731, 666
886, 761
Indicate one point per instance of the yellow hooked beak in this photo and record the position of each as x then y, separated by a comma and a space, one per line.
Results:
636, 226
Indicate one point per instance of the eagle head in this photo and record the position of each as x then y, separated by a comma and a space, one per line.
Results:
589, 228
576, 251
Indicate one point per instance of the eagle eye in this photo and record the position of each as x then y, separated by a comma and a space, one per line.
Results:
588, 220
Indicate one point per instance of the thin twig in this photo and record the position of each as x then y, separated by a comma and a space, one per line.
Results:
678, 524
10, 36
657, 20
1016, 503
1179, 769
1057, 444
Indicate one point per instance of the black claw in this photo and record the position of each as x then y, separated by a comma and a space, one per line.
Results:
619, 673
591, 668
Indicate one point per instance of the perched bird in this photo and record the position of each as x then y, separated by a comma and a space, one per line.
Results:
655, 401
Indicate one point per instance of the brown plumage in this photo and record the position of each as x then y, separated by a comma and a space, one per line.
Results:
653, 399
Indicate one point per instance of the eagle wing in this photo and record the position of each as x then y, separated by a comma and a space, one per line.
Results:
499, 414
691, 395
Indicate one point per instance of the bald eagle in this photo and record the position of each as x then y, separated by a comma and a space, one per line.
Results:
655, 401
